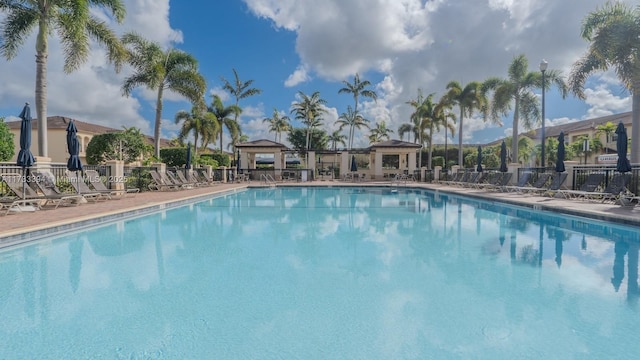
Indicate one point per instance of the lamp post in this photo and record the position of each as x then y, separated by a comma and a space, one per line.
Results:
543, 68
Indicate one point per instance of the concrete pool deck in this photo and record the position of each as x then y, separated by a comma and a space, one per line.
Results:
21, 227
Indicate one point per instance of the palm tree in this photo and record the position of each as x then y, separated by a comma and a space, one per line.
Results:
239, 90
379, 133
614, 33
352, 119
517, 89
198, 122
309, 111
469, 98
404, 129
222, 115
278, 124
357, 88
161, 70
74, 23
336, 138
421, 119
608, 130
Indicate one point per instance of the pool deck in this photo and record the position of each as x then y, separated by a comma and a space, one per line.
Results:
16, 228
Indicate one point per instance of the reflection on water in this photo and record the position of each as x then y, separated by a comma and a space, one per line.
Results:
420, 270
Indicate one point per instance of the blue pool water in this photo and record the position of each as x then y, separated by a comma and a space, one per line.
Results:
326, 273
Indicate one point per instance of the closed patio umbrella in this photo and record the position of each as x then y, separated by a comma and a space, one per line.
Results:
623, 164
479, 167
73, 146
503, 157
187, 164
25, 157
354, 166
560, 158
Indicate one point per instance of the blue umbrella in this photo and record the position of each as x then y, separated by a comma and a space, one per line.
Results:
187, 164
560, 158
354, 166
479, 168
73, 147
503, 157
25, 157
623, 164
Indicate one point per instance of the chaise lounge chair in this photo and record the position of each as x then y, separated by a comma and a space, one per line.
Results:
98, 185
159, 183
591, 184
54, 197
31, 200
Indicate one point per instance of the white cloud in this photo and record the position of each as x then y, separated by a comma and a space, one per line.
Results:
299, 76
416, 44
602, 102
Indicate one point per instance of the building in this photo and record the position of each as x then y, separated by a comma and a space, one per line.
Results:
57, 133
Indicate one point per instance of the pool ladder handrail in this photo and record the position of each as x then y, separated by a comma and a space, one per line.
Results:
268, 179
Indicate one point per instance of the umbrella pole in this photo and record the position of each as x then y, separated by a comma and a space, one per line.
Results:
24, 183
77, 179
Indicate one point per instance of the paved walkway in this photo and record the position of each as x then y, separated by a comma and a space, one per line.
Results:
20, 223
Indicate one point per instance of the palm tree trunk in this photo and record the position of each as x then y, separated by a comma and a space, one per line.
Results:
460, 159
41, 87
429, 158
514, 134
221, 134
158, 124
195, 144
635, 124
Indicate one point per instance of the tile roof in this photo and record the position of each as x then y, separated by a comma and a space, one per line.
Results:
61, 122
394, 143
260, 143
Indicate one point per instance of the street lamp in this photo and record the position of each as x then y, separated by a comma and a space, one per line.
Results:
543, 68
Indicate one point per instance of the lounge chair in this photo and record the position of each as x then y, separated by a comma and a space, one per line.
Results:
614, 190
489, 181
183, 180
172, 178
31, 200
83, 189
53, 196
99, 186
159, 183
523, 181
204, 177
537, 185
591, 184
557, 179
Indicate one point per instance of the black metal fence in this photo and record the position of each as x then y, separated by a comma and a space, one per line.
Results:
580, 175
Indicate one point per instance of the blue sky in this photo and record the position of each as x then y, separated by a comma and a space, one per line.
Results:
287, 46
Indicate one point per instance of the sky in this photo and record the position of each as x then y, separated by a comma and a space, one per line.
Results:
291, 46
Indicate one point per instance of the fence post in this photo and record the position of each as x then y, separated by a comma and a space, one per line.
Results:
116, 180
436, 173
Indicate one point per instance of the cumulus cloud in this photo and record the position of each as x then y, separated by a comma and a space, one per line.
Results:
416, 44
300, 75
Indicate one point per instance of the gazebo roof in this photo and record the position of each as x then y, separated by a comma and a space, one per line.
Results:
261, 143
394, 144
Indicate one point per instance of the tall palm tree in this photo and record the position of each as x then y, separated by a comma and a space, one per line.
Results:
405, 129
200, 123
74, 23
337, 137
357, 88
223, 118
517, 89
161, 70
420, 119
309, 110
469, 99
239, 90
352, 119
613, 31
278, 124
379, 132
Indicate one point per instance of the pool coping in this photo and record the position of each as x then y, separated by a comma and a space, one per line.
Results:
38, 232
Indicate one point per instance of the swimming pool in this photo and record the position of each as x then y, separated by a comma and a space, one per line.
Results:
326, 273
